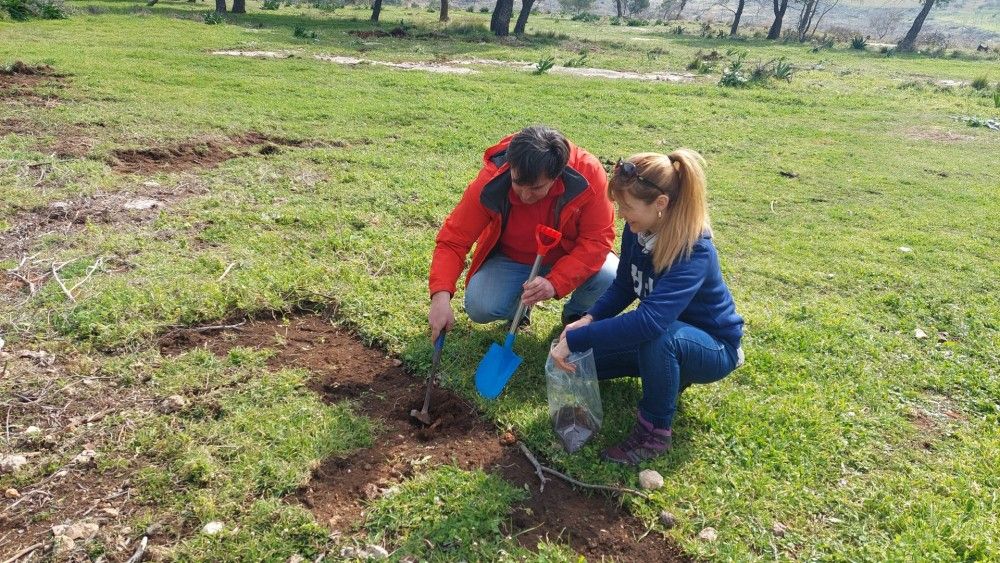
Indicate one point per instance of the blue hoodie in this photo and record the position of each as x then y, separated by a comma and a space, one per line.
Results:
691, 291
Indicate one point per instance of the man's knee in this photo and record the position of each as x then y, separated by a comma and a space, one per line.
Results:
481, 309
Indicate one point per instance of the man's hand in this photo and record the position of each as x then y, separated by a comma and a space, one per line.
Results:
441, 316
579, 323
536, 291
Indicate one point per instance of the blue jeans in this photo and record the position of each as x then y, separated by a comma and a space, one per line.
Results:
494, 292
681, 356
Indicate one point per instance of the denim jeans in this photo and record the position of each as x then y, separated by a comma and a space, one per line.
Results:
494, 291
681, 356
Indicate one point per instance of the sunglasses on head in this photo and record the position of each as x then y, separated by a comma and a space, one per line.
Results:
629, 171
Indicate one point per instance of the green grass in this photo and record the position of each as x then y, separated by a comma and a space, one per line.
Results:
817, 431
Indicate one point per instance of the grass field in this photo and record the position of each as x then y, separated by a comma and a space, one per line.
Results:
864, 440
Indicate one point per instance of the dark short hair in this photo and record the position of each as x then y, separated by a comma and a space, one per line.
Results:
538, 151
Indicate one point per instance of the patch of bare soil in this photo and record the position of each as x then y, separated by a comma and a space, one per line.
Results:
23, 84
397, 32
344, 369
200, 153
58, 414
63, 218
939, 135
69, 141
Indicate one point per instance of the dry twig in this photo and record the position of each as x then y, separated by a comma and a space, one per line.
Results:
24, 552
573, 481
538, 466
137, 556
226, 273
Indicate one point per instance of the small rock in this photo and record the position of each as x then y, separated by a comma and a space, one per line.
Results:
919, 334
85, 458
12, 463
150, 184
667, 519
11, 493
779, 529
370, 491
213, 528
154, 529
708, 534
157, 553
110, 511
650, 480
83, 530
58, 209
942, 336
905, 249
62, 546
142, 204
353, 553
397, 362
296, 559
32, 431
41, 357
377, 552
173, 403
508, 438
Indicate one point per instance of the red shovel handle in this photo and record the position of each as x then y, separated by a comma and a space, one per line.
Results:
543, 232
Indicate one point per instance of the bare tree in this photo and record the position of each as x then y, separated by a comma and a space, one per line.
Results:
620, 8
444, 11
239, 6
500, 22
909, 42
736, 18
522, 18
885, 22
779, 15
376, 9
220, 6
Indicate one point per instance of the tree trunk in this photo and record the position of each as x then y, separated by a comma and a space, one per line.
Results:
522, 18
444, 11
220, 6
680, 9
910, 41
806, 17
500, 23
736, 18
239, 6
376, 10
779, 14
620, 8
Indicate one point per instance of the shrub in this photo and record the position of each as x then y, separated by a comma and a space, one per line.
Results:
270, 5
470, 9
580, 61
302, 33
214, 18
19, 10
585, 17
484, 10
996, 98
544, 65
679, 30
858, 43
980, 83
782, 70
702, 64
634, 22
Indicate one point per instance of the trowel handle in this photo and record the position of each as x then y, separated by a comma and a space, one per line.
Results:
438, 347
520, 307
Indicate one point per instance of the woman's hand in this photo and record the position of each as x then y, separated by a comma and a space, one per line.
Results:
441, 316
579, 323
559, 354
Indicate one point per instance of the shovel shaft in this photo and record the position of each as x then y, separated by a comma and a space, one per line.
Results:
521, 308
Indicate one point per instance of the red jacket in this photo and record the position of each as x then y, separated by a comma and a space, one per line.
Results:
583, 213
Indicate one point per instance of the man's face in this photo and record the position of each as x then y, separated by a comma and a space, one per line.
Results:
530, 193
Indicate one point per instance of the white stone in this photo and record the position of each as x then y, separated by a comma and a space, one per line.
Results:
86, 457
213, 528
83, 530
173, 403
905, 249
667, 519
11, 493
919, 334
650, 480
377, 552
62, 546
708, 534
32, 431
142, 204
12, 463
779, 529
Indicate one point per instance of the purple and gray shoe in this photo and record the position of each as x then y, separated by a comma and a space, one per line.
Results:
645, 442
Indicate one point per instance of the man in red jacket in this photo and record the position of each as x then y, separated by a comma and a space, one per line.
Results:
534, 176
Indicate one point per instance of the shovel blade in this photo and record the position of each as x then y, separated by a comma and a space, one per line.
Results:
495, 370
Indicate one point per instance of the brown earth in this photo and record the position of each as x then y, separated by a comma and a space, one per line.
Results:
593, 525
200, 153
20, 84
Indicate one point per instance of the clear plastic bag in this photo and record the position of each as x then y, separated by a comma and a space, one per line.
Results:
574, 399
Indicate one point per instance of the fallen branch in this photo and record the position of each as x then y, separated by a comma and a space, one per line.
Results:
573, 481
90, 271
538, 466
24, 552
137, 556
226, 273
214, 327
55, 274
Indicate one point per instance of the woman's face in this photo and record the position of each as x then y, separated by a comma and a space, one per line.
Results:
640, 216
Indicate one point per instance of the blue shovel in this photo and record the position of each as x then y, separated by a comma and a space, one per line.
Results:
500, 362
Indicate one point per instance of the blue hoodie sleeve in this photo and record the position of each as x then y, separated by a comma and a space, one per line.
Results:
670, 296
620, 293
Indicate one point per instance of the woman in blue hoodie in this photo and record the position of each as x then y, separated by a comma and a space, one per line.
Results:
685, 329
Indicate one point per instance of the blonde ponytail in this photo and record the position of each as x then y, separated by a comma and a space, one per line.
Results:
681, 177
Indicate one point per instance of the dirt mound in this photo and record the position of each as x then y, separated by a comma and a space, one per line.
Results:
397, 32
201, 153
19, 84
344, 369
